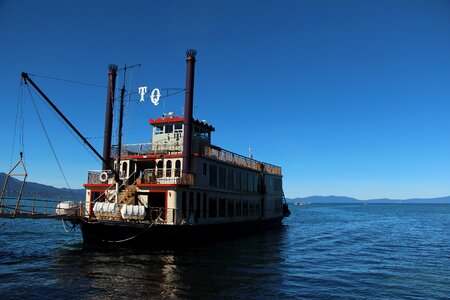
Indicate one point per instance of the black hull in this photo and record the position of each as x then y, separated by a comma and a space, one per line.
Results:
157, 236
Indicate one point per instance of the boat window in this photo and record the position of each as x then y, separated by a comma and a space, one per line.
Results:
238, 180
230, 179
222, 208
183, 205
277, 186
212, 176
205, 169
124, 172
169, 168
230, 207
260, 182
250, 182
177, 168
238, 208
204, 206
191, 203
244, 184
222, 177
178, 128
159, 129
168, 128
198, 206
257, 208
160, 169
245, 208
212, 207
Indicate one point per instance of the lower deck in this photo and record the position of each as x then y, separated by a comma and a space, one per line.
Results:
162, 235
181, 205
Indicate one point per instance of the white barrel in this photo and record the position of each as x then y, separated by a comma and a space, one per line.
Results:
68, 208
133, 212
105, 209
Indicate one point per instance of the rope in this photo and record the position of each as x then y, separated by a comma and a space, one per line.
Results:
49, 141
72, 228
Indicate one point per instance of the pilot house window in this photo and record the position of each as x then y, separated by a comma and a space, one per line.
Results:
159, 129
168, 129
178, 128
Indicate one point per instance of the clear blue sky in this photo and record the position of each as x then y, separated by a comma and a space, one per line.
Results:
349, 97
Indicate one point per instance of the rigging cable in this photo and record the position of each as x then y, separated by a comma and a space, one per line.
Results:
143, 112
71, 132
48, 139
70, 81
75, 136
19, 119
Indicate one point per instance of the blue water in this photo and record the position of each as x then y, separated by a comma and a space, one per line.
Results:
375, 251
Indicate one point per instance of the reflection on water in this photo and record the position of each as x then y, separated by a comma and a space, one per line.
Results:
247, 265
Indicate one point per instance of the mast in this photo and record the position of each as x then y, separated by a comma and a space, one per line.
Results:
112, 75
119, 138
188, 105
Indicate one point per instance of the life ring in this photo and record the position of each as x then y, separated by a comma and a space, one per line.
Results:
104, 177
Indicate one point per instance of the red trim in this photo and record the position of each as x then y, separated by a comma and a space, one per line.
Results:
91, 185
150, 157
158, 185
91, 205
164, 120
176, 119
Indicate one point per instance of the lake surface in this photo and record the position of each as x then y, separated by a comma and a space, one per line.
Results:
347, 251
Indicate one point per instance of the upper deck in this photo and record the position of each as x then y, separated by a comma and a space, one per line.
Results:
167, 139
153, 150
167, 145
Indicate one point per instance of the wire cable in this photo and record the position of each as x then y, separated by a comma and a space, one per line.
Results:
77, 138
70, 81
19, 119
49, 141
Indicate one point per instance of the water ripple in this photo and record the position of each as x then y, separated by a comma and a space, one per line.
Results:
322, 252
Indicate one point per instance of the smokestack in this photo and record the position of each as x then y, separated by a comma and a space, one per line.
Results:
188, 104
109, 116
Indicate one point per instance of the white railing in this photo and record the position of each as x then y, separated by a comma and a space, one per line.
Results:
95, 176
147, 149
239, 160
151, 176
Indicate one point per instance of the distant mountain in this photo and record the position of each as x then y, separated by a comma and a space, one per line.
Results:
326, 199
37, 190
342, 199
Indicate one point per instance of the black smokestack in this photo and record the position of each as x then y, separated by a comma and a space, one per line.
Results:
188, 104
109, 116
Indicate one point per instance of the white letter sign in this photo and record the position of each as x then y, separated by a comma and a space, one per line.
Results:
156, 94
142, 91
